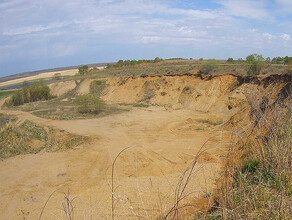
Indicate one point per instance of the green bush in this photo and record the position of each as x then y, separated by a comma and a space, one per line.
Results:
32, 93
254, 64
89, 104
209, 67
230, 60
83, 69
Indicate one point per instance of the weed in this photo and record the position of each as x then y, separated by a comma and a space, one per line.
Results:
141, 105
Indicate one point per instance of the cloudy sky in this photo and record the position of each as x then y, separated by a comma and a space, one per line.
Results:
39, 34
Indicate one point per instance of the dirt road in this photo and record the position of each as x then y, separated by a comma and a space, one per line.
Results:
162, 145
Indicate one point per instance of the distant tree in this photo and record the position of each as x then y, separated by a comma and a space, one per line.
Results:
240, 60
287, 59
230, 60
268, 59
209, 67
278, 60
57, 76
83, 69
157, 60
255, 63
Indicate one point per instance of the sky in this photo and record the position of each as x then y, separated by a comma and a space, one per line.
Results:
41, 34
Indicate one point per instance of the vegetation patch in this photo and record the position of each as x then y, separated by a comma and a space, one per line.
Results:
89, 104
30, 138
5, 94
96, 87
261, 187
141, 105
30, 93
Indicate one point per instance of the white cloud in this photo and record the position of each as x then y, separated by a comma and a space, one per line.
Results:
246, 8
284, 6
150, 39
286, 37
268, 36
32, 29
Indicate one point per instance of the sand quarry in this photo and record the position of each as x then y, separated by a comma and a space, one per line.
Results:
186, 113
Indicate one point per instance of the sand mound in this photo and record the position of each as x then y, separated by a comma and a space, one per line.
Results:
61, 88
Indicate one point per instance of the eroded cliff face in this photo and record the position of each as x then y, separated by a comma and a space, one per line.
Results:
227, 95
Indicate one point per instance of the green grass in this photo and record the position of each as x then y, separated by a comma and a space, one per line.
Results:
5, 93
141, 105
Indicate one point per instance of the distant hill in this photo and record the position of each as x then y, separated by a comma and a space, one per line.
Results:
27, 74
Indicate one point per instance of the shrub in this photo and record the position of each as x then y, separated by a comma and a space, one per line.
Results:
209, 67
254, 64
32, 93
230, 60
89, 104
57, 76
83, 69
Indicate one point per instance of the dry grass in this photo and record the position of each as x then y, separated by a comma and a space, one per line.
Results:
259, 186
17, 137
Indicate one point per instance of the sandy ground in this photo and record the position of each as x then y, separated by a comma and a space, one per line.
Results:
40, 76
162, 145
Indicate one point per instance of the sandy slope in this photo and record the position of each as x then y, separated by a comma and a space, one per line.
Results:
163, 143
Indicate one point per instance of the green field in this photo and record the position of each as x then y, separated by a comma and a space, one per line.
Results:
5, 93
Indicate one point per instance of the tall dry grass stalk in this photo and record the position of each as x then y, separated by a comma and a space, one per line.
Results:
259, 185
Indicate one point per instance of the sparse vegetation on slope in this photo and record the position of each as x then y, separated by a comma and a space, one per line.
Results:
29, 138
30, 93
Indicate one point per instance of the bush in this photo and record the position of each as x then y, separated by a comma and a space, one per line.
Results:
230, 60
209, 67
32, 93
254, 64
89, 104
83, 69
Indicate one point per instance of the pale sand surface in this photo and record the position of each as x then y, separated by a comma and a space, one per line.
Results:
163, 144
42, 76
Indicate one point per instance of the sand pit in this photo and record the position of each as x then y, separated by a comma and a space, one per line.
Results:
162, 145
161, 141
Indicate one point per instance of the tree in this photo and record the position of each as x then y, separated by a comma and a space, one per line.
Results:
209, 66
157, 60
57, 76
255, 63
83, 69
230, 60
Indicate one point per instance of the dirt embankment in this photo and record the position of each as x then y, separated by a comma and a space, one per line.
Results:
188, 113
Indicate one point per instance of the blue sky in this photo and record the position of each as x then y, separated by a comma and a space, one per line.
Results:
39, 34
